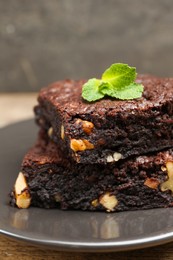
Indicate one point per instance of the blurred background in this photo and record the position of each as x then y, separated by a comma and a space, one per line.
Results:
43, 41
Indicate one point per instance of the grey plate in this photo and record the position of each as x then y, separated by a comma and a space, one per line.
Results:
71, 230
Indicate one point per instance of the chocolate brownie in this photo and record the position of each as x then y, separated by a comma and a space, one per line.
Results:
109, 129
49, 180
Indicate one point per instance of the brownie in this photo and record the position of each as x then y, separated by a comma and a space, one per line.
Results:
109, 129
48, 179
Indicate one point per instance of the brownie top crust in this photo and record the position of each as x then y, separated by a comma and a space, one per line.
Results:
66, 96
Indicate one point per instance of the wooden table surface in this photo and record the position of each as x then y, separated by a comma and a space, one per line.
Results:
15, 107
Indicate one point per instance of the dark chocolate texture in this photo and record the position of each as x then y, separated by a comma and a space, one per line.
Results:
54, 182
109, 129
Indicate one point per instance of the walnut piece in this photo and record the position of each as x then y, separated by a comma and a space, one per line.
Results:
62, 132
50, 132
151, 183
23, 199
117, 156
163, 168
86, 126
80, 145
168, 185
89, 146
109, 158
114, 158
95, 203
108, 201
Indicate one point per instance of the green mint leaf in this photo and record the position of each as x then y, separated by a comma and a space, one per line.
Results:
134, 90
118, 81
119, 75
90, 90
106, 88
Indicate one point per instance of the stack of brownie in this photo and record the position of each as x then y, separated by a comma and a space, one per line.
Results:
109, 155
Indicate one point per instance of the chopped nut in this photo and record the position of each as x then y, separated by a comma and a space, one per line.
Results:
62, 132
168, 185
89, 146
77, 145
86, 126
23, 199
110, 158
50, 131
151, 183
108, 201
80, 145
114, 158
95, 203
163, 168
117, 156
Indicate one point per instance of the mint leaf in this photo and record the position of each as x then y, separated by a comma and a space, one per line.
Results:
106, 88
91, 91
118, 81
134, 90
119, 75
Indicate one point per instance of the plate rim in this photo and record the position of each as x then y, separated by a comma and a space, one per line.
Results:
94, 246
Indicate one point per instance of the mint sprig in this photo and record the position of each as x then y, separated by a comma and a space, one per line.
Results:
118, 81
